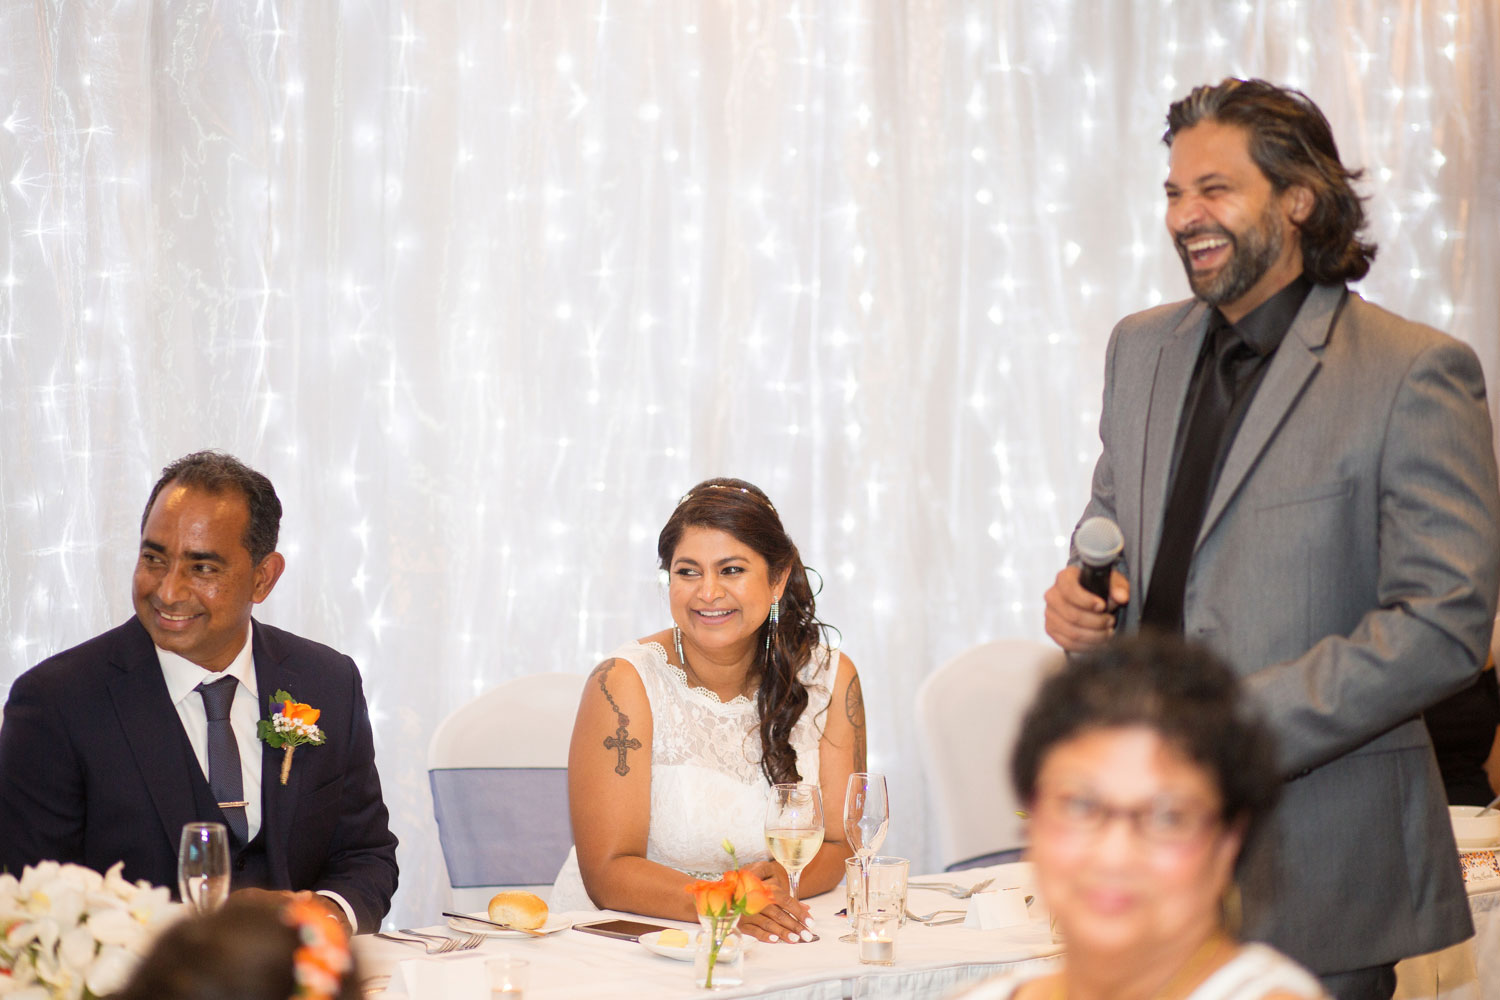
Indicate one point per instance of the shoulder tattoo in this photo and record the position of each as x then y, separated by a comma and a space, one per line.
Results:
854, 708
621, 742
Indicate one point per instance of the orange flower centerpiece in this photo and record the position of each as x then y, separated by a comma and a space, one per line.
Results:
290, 726
721, 903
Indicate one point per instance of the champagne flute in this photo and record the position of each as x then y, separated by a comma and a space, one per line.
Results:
794, 827
203, 866
867, 814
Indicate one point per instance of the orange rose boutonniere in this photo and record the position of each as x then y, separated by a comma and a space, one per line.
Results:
290, 726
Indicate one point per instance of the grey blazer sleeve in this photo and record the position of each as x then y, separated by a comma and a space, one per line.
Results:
1434, 593
1102, 495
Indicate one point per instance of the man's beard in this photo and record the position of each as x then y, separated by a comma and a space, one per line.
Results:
1252, 252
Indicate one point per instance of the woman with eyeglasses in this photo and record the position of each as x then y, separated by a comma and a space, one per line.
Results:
1143, 772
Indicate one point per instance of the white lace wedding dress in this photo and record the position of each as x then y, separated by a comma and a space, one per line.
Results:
706, 781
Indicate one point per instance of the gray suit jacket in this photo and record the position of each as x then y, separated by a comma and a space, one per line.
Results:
1347, 568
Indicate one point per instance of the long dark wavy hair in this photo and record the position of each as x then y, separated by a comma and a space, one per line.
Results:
743, 511
1292, 143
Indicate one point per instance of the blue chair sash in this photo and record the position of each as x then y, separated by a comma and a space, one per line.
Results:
502, 826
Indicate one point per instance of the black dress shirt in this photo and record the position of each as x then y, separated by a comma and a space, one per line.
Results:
1262, 329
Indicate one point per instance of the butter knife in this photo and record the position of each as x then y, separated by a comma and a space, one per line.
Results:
492, 923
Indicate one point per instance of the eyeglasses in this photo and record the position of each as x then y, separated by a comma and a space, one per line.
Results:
1163, 820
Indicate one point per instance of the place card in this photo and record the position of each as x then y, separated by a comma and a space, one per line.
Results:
462, 979
997, 908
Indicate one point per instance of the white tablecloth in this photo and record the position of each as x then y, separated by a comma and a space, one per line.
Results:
930, 961
1467, 971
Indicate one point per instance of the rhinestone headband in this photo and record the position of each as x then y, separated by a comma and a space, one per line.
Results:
733, 489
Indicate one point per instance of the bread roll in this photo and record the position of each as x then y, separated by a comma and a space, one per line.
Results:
518, 909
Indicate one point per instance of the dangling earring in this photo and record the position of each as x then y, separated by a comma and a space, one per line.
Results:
1231, 909
677, 641
775, 617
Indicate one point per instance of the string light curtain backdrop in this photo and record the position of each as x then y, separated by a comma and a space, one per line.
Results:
485, 286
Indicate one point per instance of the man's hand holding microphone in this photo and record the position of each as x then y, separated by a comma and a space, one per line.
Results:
1082, 601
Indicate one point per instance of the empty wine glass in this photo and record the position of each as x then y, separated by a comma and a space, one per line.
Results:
794, 827
867, 814
203, 866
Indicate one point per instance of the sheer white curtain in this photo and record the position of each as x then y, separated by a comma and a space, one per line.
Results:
485, 286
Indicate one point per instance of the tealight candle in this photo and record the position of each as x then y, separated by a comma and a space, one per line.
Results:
877, 950
877, 937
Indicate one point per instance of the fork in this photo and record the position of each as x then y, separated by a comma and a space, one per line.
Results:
431, 947
952, 889
467, 942
471, 941
928, 918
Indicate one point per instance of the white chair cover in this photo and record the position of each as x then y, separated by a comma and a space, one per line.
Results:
968, 713
499, 773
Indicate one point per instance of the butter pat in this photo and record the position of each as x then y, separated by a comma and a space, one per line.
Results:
672, 938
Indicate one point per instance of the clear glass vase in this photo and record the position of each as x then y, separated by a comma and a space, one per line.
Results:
719, 962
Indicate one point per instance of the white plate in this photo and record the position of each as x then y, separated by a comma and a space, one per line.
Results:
650, 941
682, 954
552, 926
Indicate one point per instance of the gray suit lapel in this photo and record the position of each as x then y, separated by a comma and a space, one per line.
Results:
1292, 366
1169, 386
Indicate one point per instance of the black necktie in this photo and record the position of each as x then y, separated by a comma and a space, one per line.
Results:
1197, 471
224, 775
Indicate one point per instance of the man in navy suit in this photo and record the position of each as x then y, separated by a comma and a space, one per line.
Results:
109, 748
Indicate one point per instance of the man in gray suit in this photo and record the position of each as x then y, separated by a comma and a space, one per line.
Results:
1306, 483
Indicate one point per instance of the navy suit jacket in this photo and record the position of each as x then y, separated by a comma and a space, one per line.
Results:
95, 768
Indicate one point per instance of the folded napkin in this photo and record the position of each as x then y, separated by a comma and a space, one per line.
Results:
997, 908
445, 979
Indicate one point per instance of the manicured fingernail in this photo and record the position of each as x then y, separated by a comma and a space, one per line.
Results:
808, 921
792, 937
773, 939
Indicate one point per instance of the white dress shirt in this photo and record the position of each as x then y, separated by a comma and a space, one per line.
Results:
183, 677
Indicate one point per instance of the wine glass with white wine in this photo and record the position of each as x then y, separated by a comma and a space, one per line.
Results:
203, 866
794, 827
867, 815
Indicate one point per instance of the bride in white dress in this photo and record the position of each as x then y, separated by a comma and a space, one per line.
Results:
680, 735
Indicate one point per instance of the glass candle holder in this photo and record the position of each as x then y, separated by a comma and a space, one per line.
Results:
876, 931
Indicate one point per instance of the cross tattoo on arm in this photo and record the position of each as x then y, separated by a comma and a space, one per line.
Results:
621, 741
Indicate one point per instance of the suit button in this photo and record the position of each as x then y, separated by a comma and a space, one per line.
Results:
239, 864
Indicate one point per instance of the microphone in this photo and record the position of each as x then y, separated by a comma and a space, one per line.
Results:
1099, 544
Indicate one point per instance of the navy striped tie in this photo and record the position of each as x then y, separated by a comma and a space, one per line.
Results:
224, 775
